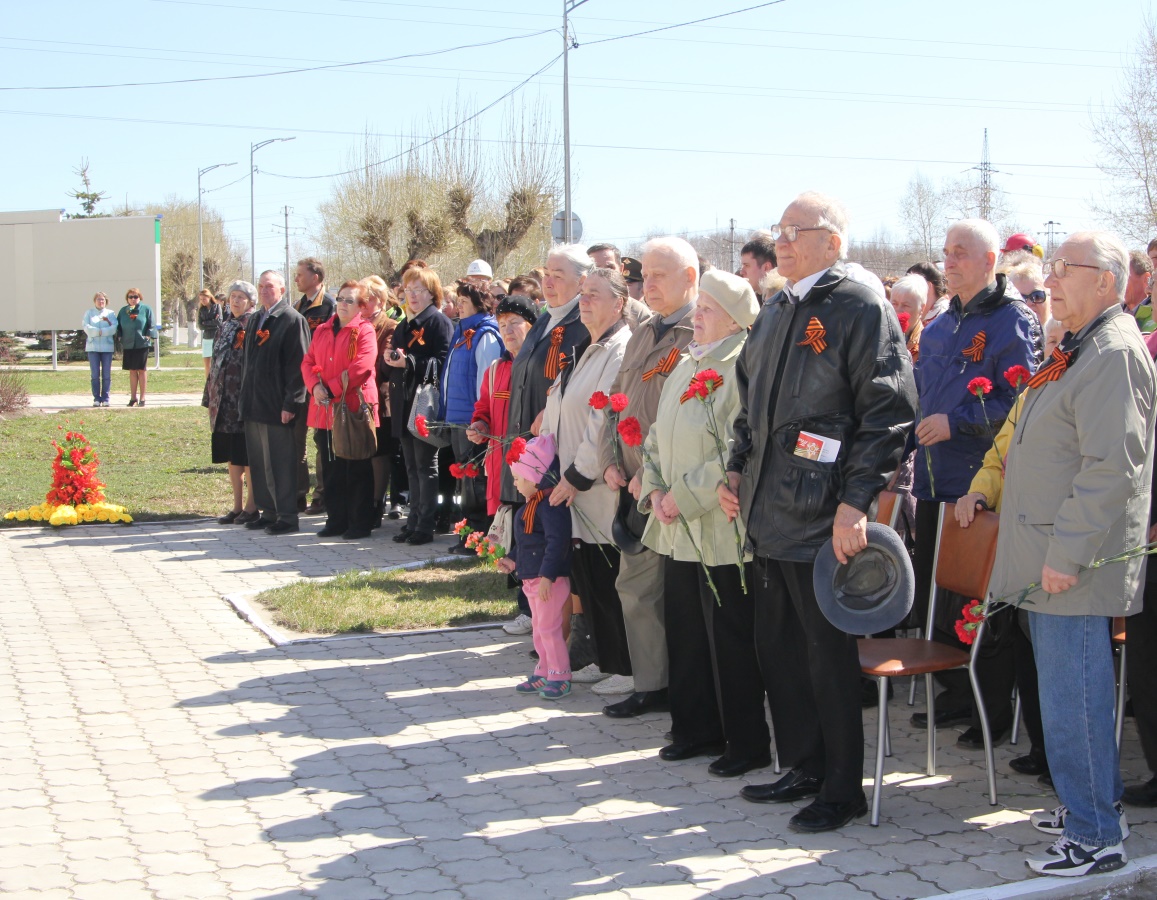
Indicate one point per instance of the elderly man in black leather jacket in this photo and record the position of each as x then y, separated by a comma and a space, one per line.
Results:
827, 401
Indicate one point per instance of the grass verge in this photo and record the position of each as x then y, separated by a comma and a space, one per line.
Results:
155, 462
438, 595
74, 379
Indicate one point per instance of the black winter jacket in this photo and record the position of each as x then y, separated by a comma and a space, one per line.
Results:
272, 382
834, 365
422, 338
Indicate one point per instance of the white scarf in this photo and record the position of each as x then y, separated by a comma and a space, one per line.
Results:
698, 351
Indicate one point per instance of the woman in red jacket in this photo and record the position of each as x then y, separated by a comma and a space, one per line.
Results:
344, 344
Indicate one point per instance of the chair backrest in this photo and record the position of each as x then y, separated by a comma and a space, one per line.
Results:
964, 556
887, 508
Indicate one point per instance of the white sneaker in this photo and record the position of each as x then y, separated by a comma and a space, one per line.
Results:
1053, 821
1069, 858
616, 684
521, 625
588, 675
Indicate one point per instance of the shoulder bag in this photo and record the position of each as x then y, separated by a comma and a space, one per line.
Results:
427, 403
353, 434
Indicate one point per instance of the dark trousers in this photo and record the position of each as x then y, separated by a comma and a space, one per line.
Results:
398, 480
691, 687
996, 669
349, 489
300, 433
471, 490
1141, 669
1026, 684
273, 459
422, 474
813, 671
593, 570
741, 684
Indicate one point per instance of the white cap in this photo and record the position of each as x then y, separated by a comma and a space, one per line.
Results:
480, 267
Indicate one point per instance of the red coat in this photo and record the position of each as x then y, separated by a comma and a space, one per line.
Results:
354, 349
491, 410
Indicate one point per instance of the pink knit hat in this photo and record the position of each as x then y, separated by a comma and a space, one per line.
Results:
536, 459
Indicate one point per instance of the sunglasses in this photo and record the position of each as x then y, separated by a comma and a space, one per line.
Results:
1036, 297
134, 297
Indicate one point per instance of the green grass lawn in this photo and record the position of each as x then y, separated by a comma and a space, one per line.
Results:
439, 595
74, 379
155, 462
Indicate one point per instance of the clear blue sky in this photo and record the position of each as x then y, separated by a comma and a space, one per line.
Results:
684, 129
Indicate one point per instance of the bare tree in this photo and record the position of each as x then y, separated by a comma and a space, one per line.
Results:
964, 199
884, 254
924, 210
1126, 132
88, 197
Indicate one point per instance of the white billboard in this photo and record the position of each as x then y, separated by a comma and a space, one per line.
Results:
55, 265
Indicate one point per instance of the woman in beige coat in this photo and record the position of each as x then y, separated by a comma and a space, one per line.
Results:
577, 428
689, 468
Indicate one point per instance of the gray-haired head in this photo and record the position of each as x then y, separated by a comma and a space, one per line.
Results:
1107, 252
576, 255
830, 214
677, 248
245, 288
914, 286
980, 231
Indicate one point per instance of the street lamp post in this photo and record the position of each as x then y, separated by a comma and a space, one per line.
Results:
200, 233
568, 6
253, 148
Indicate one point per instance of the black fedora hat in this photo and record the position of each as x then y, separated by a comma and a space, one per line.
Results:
622, 533
874, 591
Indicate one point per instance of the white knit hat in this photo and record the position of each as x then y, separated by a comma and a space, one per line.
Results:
731, 292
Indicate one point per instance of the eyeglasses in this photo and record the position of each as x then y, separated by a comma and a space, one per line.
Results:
346, 300
1036, 297
791, 233
1060, 267
134, 297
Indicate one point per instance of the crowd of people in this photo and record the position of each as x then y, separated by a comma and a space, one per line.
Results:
662, 448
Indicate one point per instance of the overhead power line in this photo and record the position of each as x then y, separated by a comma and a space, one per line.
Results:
735, 12
365, 62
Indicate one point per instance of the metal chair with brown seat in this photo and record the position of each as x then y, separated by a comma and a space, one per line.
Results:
963, 564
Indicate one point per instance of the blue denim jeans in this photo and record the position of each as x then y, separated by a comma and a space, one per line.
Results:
1074, 663
100, 370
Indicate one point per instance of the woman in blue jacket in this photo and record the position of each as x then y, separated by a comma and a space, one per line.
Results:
100, 326
475, 344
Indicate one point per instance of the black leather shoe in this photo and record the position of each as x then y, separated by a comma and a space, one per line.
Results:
944, 718
229, 518
823, 816
329, 532
281, 528
690, 749
1141, 794
792, 786
461, 550
419, 537
732, 768
356, 534
638, 703
1033, 763
1045, 780
400, 537
259, 523
973, 738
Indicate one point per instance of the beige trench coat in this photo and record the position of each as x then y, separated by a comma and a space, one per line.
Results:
1078, 476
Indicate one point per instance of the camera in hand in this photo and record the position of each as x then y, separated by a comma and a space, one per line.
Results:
395, 355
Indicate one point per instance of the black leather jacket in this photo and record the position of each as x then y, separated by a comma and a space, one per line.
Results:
857, 389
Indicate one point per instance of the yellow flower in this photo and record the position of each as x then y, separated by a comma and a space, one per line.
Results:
35, 515
22, 515
102, 515
10, 516
63, 515
126, 518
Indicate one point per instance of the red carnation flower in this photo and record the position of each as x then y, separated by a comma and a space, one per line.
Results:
423, 428
966, 636
455, 470
517, 446
619, 402
979, 386
905, 319
1016, 376
599, 400
631, 432
469, 471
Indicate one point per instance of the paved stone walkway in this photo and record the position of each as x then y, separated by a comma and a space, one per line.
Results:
153, 745
58, 402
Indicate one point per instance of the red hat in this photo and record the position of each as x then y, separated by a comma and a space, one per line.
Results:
1018, 242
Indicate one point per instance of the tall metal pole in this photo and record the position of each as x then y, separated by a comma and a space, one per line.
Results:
732, 243
200, 233
566, 230
253, 148
287, 243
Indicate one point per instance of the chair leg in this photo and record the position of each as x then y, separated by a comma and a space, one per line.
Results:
989, 763
1121, 688
912, 686
887, 731
931, 767
1015, 718
776, 769
881, 737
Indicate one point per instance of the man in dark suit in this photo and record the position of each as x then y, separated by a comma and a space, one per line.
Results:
272, 398
825, 363
317, 305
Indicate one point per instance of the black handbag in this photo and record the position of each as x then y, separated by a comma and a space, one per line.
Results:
353, 435
427, 403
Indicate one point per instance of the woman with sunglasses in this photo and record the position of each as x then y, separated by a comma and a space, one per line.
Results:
136, 331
